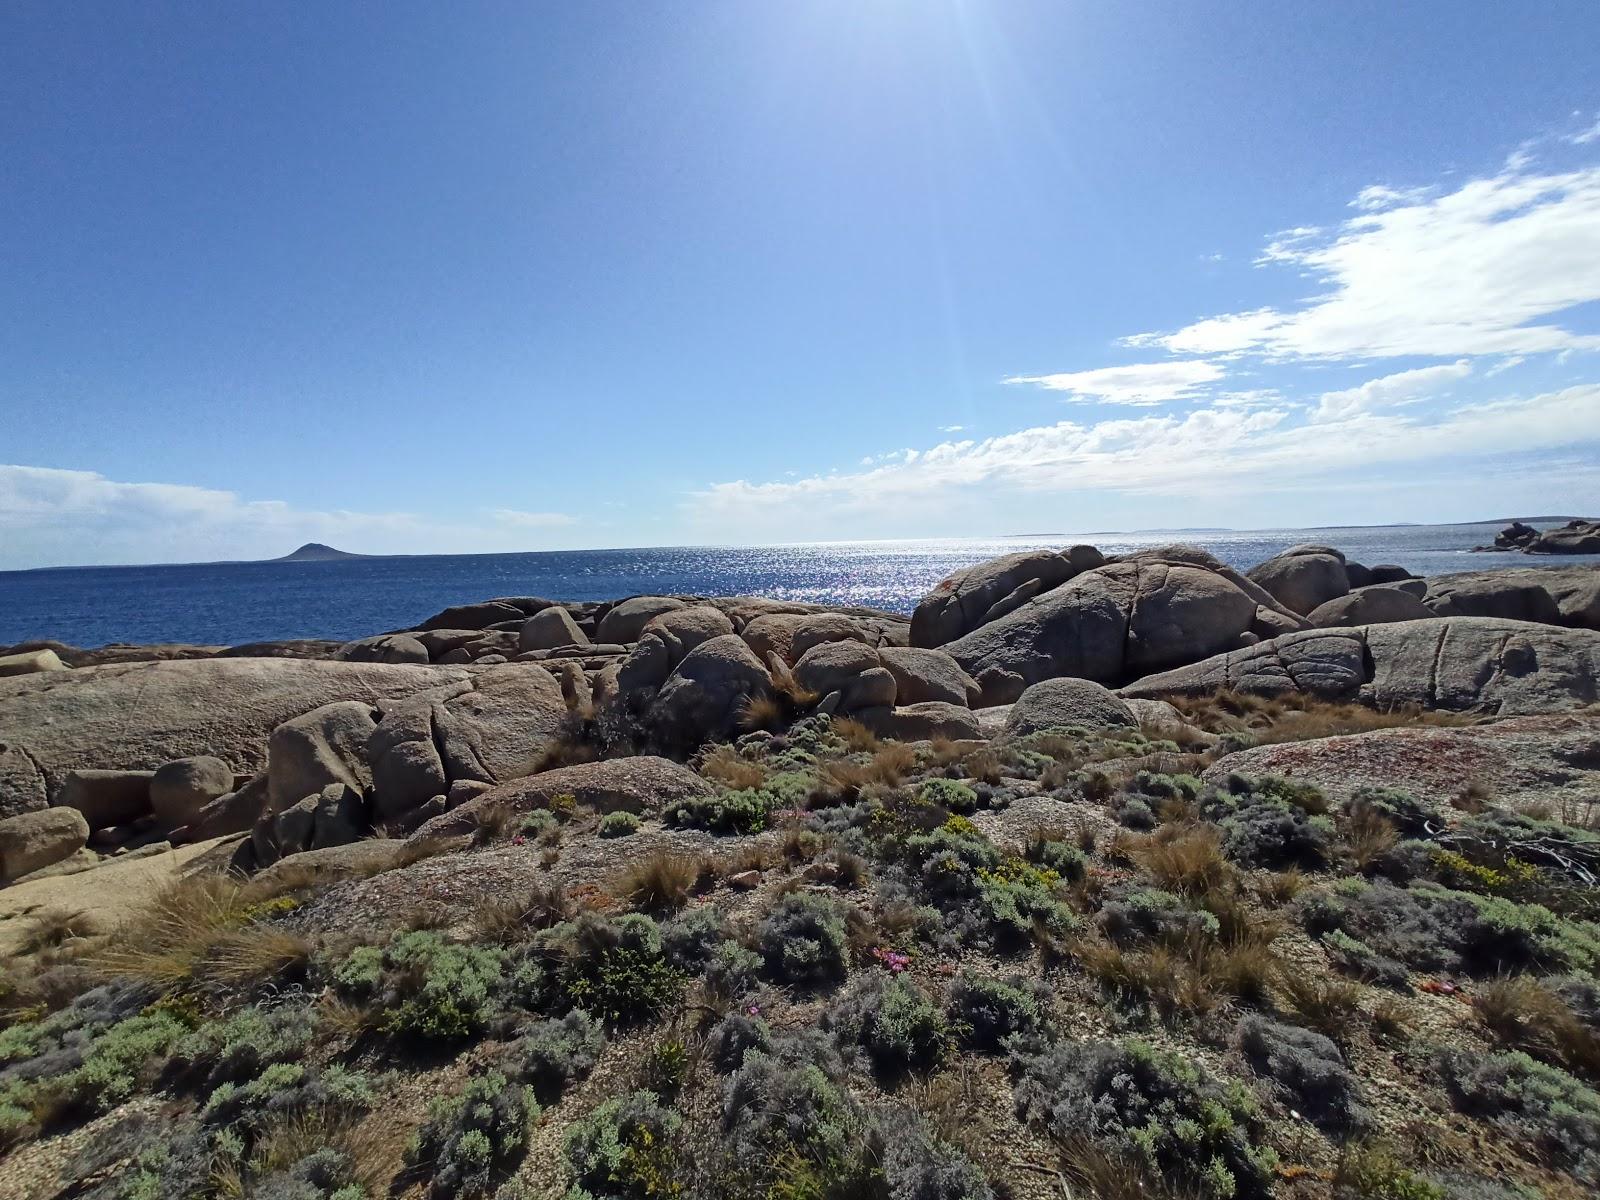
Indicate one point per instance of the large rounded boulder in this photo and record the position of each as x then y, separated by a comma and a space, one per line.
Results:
1375, 605
989, 590
1303, 577
625, 620
1150, 610
705, 693
1058, 703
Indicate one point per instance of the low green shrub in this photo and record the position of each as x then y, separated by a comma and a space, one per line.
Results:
803, 940
1307, 1070
948, 794
423, 985
626, 1150
1155, 1108
618, 824
468, 1137
614, 968
988, 1012
556, 1052
893, 1020
1540, 1104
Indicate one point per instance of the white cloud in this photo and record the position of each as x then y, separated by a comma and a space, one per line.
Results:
1204, 452
1481, 270
50, 516
1585, 136
532, 520
1376, 197
1141, 384
1388, 391
951, 428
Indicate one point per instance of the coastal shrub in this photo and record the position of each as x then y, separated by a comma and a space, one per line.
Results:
1058, 855
1432, 928
1400, 809
117, 1062
690, 940
423, 985
284, 1088
1306, 1069
733, 1037
614, 968
1540, 1104
803, 940
917, 1164
618, 824
892, 1019
469, 1136
1152, 1107
625, 1149
555, 1052
733, 970
1271, 822
540, 825
239, 1046
786, 1099
1150, 914
1134, 812
948, 794
1355, 957
1017, 897
1537, 1016
987, 1012
742, 810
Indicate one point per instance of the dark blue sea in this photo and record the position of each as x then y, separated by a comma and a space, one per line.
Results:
229, 603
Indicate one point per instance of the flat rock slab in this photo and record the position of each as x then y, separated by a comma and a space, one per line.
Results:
1520, 761
640, 784
106, 895
1459, 664
141, 715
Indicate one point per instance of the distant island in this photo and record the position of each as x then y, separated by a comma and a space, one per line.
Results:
317, 552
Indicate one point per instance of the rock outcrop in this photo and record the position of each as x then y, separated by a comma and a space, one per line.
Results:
1578, 536
1304, 577
1058, 703
988, 591
1453, 663
1560, 595
1150, 610
33, 840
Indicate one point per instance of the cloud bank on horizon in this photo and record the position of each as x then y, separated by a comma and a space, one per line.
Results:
1443, 329
1483, 273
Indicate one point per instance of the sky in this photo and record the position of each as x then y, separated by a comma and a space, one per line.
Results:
476, 277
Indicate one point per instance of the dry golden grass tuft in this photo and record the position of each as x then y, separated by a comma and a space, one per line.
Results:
983, 766
1528, 1016
857, 738
761, 712
891, 763
375, 1147
256, 954
663, 881
166, 943
495, 823
422, 849
53, 928
569, 751
1281, 887
840, 781
1193, 977
1326, 1003
1088, 1169
1368, 836
511, 918
1297, 717
1184, 859
727, 766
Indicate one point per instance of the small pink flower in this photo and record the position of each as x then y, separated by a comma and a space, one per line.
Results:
753, 1010
519, 840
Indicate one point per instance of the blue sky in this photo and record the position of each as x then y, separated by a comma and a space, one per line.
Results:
422, 277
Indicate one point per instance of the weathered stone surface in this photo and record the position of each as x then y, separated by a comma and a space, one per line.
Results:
1520, 593
549, 629
484, 614
961, 602
141, 715
326, 745
30, 662
1152, 609
1452, 663
1512, 595
789, 635
107, 797
1158, 719
1303, 577
493, 727
22, 784
1375, 605
181, 788
682, 629
850, 668
33, 840
627, 619
385, 648
640, 784
1054, 703
1519, 761
928, 675
704, 693
354, 860
230, 813
922, 721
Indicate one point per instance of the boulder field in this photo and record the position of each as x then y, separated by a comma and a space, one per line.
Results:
308, 745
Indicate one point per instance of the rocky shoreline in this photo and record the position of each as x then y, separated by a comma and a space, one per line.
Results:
1153, 695
310, 744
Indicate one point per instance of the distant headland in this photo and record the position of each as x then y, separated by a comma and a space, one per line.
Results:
317, 552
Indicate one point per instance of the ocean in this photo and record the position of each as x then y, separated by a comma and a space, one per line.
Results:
230, 603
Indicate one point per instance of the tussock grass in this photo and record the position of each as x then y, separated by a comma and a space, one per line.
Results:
1527, 1016
891, 764
510, 918
664, 881
761, 712
857, 738
1183, 859
1326, 1003
1297, 717
169, 943
727, 766
53, 928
